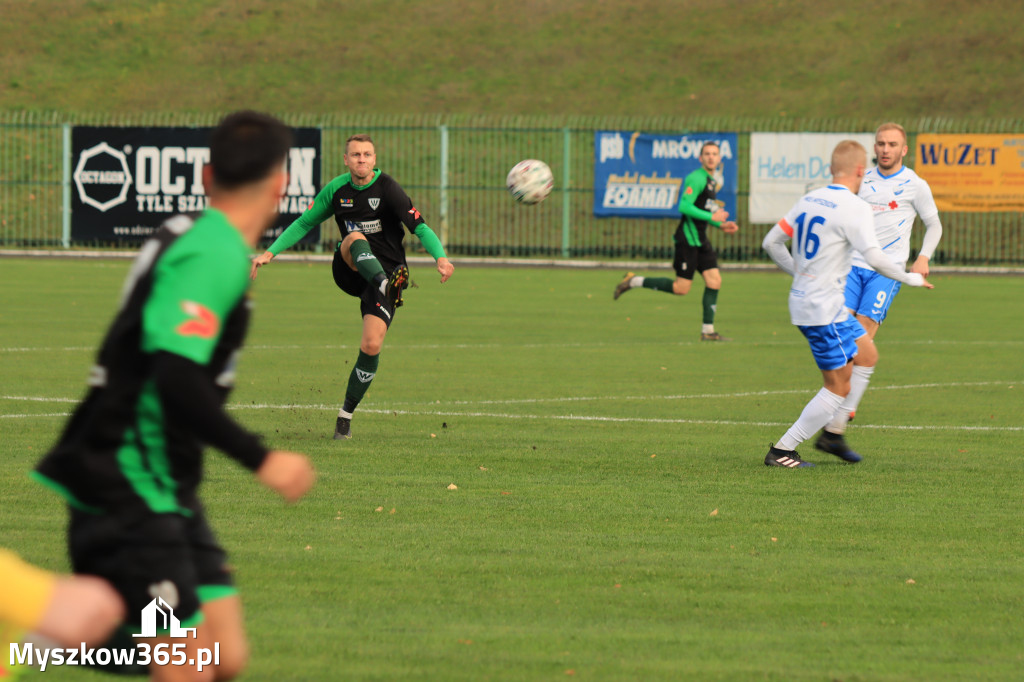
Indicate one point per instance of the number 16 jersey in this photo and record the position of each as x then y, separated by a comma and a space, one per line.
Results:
826, 226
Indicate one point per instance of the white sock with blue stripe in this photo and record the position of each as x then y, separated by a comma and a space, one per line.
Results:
859, 381
816, 414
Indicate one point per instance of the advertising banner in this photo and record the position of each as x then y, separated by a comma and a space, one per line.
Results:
973, 173
641, 175
785, 166
127, 181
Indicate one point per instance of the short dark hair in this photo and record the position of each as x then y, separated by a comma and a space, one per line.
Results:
709, 143
360, 137
246, 147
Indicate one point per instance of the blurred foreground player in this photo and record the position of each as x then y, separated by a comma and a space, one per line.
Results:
826, 226
129, 462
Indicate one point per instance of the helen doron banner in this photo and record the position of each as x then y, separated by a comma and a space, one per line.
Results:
785, 166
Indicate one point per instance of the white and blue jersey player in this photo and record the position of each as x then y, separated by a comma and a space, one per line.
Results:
826, 227
896, 194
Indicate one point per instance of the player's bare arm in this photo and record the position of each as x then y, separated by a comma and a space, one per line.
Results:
287, 473
259, 261
729, 227
445, 267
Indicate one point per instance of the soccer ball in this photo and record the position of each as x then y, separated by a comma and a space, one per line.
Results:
530, 181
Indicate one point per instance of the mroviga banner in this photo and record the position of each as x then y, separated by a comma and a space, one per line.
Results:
127, 181
641, 175
973, 173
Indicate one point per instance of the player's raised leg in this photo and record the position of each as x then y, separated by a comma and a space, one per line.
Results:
356, 252
678, 286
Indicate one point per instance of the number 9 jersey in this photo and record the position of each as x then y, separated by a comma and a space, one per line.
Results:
826, 226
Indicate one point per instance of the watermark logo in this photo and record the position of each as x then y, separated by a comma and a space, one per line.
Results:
158, 619
159, 615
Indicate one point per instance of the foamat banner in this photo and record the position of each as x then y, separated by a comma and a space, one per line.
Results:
640, 175
127, 181
785, 166
973, 173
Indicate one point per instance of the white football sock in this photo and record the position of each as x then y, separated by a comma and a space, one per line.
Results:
637, 281
707, 329
345, 415
858, 386
816, 414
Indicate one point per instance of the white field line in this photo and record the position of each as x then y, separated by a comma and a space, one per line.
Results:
580, 417
594, 418
485, 346
525, 401
697, 396
34, 416
653, 420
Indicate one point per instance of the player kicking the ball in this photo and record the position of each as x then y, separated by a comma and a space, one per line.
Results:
895, 194
694, 252
371, 210
826, 226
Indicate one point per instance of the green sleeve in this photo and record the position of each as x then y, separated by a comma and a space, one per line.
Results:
319, 211
694, 186
196, 286
430, 241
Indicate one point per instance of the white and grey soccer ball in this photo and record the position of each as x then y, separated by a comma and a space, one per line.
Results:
530, 181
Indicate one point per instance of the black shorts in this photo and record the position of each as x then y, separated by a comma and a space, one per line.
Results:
693, 259
148, 555
372, 302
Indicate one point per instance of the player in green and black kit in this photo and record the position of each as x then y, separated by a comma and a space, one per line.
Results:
129, 462
694, 252
372, 212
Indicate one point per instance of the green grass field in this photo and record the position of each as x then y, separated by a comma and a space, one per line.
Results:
613, 519
786, 59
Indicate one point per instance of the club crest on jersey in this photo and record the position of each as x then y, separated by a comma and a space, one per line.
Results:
374, 203
689, 190
345, 203
202, 321
415, 214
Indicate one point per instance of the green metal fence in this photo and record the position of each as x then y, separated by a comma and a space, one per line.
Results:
454, 168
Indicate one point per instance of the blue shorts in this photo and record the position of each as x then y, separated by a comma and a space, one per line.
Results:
869, 293
834, 345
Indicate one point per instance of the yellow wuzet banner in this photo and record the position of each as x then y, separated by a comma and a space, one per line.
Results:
973, 173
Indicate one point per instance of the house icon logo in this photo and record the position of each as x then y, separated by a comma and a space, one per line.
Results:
158, 615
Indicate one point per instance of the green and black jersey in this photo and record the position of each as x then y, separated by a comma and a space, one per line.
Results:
697, 203
162, 375
378, 210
